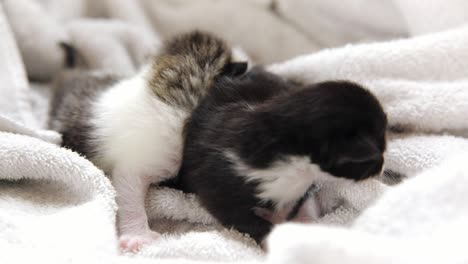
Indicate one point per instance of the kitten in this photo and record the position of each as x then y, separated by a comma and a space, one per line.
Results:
255, 145
132, 128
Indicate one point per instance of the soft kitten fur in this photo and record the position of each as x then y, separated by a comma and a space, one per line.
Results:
261, 142
132, 128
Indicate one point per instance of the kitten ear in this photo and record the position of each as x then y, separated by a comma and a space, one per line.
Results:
235, 69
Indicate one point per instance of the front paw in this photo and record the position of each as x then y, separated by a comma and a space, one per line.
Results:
134, 242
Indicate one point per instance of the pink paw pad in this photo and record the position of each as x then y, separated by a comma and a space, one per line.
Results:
133, 243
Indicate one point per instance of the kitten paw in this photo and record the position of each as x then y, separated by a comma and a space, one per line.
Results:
133, 243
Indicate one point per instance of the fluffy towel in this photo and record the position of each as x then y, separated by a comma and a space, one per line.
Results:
55, 205
421, 221
422, 85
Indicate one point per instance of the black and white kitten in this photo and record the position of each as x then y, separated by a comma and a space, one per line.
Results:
255, 145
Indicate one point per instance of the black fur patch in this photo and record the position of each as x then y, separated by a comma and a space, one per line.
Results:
70, 54
71, 104
262, 118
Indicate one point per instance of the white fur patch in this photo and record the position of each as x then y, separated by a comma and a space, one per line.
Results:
138, 140
136, 130
285, 181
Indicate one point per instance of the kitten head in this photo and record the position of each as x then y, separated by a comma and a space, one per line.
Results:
206, 49
337, 125
188, 65
303, 136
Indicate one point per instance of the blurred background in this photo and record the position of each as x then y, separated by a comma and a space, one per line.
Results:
120, 35
267, 30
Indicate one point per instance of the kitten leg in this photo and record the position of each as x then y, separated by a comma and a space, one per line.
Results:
132, 220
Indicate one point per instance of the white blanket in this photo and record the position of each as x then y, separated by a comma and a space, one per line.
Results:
54, 204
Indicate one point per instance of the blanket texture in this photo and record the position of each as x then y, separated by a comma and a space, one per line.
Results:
56, 206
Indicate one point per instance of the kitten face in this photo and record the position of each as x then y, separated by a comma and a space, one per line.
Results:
261, 142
